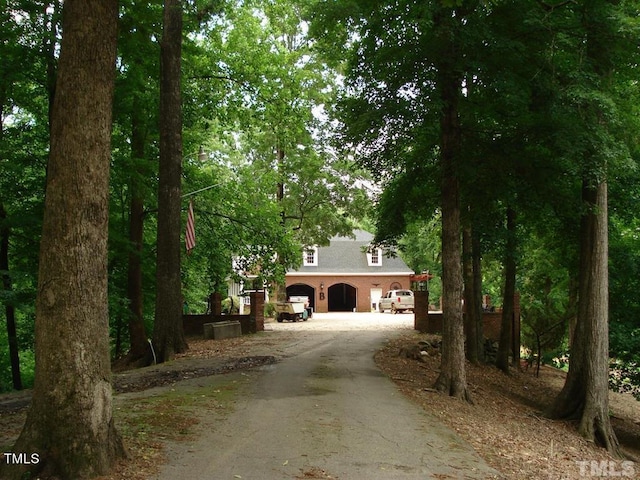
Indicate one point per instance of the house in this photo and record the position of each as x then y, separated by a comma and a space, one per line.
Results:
348, 275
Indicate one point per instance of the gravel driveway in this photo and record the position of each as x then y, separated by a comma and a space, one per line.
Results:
326, 411
341, 322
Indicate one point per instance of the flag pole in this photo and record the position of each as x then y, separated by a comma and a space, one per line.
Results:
201, 190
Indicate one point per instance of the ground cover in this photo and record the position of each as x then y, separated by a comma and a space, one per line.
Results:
506, 424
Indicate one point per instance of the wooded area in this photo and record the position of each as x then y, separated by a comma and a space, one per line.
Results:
515, 123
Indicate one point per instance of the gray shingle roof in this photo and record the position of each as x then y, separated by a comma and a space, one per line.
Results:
346, 255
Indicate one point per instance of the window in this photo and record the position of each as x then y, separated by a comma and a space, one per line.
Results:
310, 257
374, 257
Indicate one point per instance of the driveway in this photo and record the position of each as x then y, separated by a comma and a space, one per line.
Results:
326, 411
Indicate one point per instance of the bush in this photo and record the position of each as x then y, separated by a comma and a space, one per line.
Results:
27, 370
270, 310
624, 377
231, 305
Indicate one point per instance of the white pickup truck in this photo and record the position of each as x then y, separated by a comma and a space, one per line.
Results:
396, 301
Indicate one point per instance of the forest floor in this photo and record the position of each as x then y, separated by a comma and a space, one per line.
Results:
505, 424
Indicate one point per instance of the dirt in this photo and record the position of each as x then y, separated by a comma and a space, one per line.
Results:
505, 424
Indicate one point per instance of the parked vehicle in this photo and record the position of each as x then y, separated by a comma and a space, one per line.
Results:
396, 301
292, 311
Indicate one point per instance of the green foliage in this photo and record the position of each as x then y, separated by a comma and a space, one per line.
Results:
624, 285
545, 295
5, 362
27, 362
269, 310
624, 377
231, 305
420, 249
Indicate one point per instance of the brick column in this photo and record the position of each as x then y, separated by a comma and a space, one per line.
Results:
421, 310
256, 322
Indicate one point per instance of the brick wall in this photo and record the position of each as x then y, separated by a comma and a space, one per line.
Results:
491, 323
252, 323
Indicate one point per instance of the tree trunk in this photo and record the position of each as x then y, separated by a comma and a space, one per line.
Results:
472, 296
9, 309
139, 347
452, 378
70, 423
585, 395
168, 333
280, 289
7, 284
476, 253
506, 327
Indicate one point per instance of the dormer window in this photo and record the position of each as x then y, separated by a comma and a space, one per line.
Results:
374, 257
310, 257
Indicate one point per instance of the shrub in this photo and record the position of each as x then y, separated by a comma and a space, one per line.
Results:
270, 310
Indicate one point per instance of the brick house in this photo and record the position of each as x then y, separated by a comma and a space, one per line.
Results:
348, 275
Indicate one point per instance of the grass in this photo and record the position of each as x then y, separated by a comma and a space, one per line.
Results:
146, 420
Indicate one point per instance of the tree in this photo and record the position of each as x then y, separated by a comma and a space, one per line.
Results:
584, 396
135, 110
260, 112
23, 140
400, 117
505, 345
472, 274
7, 286
168, 334
70, 421
277, 91
447, 25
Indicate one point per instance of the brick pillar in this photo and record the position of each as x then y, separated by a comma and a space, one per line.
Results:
421, 309
215, 301
256, 323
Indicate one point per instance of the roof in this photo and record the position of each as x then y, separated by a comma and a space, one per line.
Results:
347, 256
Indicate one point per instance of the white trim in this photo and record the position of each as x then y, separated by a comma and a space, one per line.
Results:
306, 263
370, 258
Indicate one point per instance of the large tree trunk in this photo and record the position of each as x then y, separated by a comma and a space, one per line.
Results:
70, 423
585, 396
139, 347
168, 333
508, 307
452, 378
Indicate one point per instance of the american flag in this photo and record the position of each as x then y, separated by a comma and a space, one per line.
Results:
190, 232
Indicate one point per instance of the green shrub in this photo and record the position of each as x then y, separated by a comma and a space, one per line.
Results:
231, 305
270, 310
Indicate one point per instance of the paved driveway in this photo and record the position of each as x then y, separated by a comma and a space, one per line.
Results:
326, 411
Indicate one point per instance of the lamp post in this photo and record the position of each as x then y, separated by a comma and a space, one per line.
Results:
202, 155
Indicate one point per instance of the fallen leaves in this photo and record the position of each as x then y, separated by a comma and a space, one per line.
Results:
506, 425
